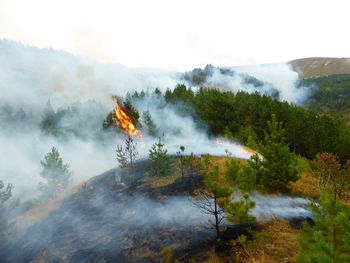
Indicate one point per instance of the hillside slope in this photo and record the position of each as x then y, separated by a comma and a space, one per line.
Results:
320, 66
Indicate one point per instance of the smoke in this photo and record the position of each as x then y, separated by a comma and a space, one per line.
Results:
100, 222
276, 80
286, 207
80, 91
282, 77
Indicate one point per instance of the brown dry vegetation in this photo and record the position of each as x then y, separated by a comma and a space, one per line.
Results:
279, 245
306, 186
320, 66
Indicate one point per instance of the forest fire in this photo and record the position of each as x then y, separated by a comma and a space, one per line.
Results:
125, 122
245, 149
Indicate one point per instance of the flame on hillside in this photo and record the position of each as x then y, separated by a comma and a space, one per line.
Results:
125, 121
244, 148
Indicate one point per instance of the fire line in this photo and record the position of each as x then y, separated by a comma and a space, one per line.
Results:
125, 122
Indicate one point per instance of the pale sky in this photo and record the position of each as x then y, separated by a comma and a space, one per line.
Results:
180, 34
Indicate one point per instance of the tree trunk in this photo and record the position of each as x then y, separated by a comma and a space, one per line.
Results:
216, 219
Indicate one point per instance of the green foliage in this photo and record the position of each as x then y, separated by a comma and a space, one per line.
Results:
239, 211
251, 143
331, 93
121, 157
51, 119
328, 240
276, 169
215, 195
246, 115
127, 155
271, 172
249, 242
131, 111
159, 160
56, 173
110, 121
149, 124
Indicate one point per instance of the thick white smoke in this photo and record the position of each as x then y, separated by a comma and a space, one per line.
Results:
29, 77
278, 80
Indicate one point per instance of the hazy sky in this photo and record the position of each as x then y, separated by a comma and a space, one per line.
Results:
181, 34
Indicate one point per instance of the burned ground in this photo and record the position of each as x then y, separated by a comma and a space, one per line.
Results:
114, 220
120, 216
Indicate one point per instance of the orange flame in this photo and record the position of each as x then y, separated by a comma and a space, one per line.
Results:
245, 148
125, 122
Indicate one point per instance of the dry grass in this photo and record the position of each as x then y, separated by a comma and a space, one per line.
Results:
280, 244
154, 181
306, 186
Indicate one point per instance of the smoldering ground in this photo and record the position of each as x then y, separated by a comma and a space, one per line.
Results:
104, 222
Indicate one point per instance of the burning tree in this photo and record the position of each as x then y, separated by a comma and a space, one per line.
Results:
125, 118
56, 173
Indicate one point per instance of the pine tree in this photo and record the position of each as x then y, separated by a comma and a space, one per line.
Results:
211, 199
131, 111
328, 240
276, 169
149, 124
121, 157
159, 160
127, 156
56, 173
239, 211
50, 120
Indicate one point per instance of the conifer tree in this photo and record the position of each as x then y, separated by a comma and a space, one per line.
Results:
56, 173
127, 155
208, 200
159, 160
131, 111
328, 240
276, 169
149, 124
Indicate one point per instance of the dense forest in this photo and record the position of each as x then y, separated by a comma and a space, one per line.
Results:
244, 117
331, 93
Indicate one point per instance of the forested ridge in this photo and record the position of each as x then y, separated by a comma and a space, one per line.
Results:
243, 116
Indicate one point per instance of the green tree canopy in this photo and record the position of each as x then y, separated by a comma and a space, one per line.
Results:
55, 172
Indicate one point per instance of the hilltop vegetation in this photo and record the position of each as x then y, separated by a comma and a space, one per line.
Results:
245, 117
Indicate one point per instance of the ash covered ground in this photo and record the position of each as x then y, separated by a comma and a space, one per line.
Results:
119, 216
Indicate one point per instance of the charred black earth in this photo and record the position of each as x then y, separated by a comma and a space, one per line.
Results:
116, 217
120, 216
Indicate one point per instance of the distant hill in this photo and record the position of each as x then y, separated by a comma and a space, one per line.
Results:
320, 66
